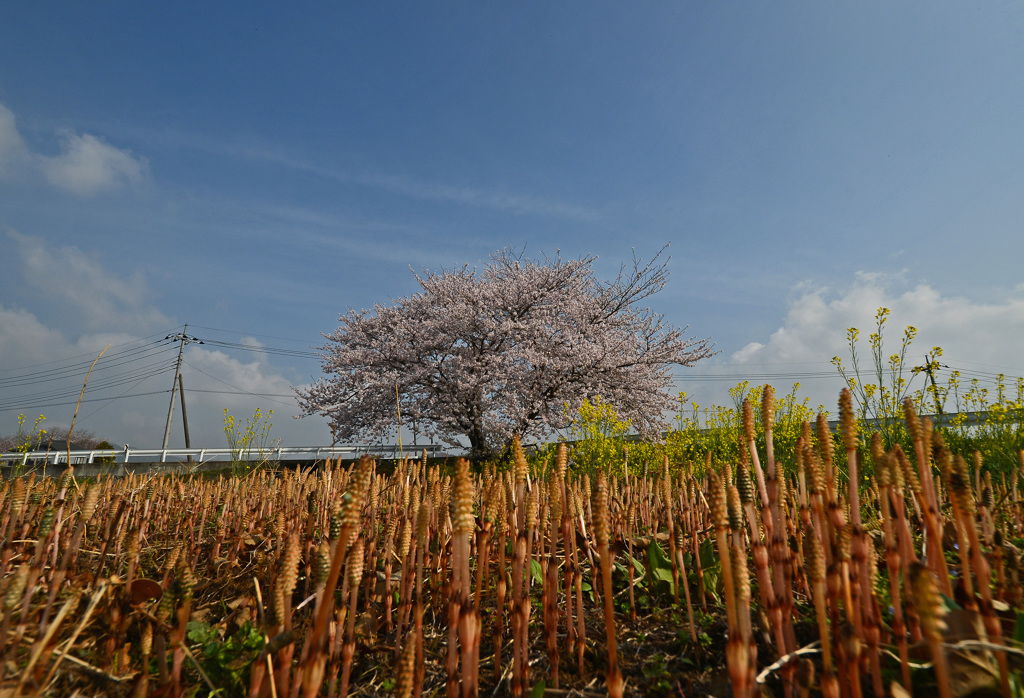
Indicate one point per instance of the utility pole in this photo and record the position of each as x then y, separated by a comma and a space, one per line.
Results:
184, 339
930, 364
184, 414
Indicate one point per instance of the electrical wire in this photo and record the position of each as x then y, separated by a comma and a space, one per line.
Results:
237, 390
76, 370
986, 375
116, 397
740, 374
102, 380
753, 377
33, 405
277, 351
148, 340
978, 363
55, 397
130, 364
270, 396
222, 382
249, 334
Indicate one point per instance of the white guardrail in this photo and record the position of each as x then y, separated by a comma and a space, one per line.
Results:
203, 455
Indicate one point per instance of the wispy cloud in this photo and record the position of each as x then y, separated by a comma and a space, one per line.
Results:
77, 282
14, 153
523, 204
478, 197
85, 166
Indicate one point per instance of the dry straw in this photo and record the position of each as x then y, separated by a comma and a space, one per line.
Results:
427, 573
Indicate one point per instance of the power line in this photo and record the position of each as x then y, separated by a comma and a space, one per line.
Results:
222, 382
978, 363
250, 334
280, 351
109, 401
81, 356
75, 370
129, 365
753, 377
968, 372
94, 387
237, 390
739, 374
159, 365
31, 405
270, 396
35, 402
277, 351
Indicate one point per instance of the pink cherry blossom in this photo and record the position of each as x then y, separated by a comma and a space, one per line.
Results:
513, 349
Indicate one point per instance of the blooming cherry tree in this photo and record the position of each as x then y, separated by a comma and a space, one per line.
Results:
480, 356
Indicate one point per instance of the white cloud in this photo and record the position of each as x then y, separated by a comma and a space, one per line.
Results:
86, 164
77, 281
22, 337
977, 338
816, 323
216, 370
12, 148
44, 358
128, 392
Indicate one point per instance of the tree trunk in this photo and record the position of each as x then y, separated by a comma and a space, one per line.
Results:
479, 449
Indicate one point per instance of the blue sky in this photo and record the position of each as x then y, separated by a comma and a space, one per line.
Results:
255, 170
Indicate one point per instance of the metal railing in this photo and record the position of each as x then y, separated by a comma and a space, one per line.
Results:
317, 453
203, 455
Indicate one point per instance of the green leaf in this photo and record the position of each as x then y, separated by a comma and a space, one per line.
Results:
536, 571
656, 556
949, 603
639, 571
587, 589
711, 582
663, 575
637, 565
538, 689
201, 633
1018, 629
659, 569
708, 554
